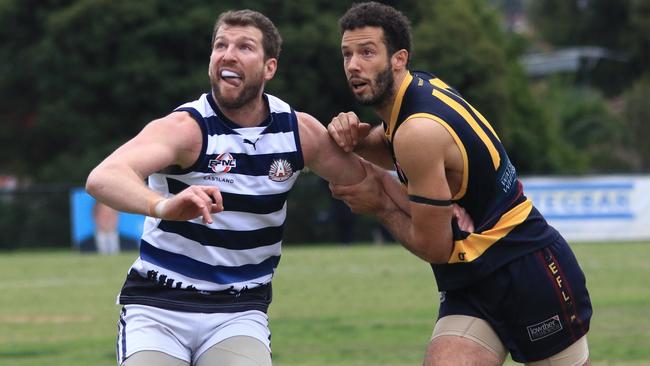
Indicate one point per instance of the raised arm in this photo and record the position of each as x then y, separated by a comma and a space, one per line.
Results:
174, 140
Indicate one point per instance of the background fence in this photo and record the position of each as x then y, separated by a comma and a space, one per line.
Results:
591, 208
35, 217
40, 217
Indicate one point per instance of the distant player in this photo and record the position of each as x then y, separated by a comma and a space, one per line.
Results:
107, 237
511, 286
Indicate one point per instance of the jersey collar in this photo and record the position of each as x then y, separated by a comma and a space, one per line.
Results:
397, 104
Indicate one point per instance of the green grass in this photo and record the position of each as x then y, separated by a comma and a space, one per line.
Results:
349, 306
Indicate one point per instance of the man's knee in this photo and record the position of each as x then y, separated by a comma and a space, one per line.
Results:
236, 351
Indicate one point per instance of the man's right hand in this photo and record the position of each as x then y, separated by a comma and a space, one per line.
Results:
365, 197
346, 130
192, 202
464, 220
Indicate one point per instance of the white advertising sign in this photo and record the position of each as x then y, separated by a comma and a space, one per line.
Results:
594, 208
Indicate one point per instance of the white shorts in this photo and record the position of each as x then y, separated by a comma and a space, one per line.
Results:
184, 335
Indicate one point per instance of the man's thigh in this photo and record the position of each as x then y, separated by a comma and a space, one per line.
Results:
185, 336
149, 329
575, 354
460, 339
551, 309
537, 304
236, 351
150, 358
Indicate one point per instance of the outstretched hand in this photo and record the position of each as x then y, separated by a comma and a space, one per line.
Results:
192, 202
346, 130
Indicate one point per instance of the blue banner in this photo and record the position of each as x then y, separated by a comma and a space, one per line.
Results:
96, 227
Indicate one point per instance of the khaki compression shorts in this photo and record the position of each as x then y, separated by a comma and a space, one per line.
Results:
479, 331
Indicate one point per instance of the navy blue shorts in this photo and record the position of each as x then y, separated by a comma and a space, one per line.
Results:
538, 304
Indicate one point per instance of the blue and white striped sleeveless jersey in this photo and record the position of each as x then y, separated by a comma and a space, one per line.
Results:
254, 168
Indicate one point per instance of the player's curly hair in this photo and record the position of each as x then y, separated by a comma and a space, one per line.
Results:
396, 26
271, 39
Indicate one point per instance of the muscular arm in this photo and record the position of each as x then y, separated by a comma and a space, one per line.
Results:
118, 181
375, 148
323, 156
421, 147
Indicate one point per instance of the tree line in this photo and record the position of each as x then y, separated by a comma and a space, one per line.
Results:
80, 77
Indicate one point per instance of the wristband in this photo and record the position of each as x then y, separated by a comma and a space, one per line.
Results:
155, 209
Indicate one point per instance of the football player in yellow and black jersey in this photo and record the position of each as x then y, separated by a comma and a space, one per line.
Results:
512, 285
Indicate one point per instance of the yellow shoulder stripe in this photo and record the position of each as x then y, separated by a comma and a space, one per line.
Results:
485, 122
397, 104
475, 244
439, 83
494, 154
442, 85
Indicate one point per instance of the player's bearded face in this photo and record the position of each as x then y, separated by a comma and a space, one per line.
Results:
238, 69
380, 88
251, 83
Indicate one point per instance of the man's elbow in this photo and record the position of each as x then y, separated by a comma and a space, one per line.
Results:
434, 252
93, 183
436, 257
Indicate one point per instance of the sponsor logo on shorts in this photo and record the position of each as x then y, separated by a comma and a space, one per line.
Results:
443, 296
544, 329
280, 170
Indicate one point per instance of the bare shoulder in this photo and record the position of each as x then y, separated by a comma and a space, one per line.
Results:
177, 128
313, 137
428, 153
178, 121
422, 136
176, 138
308, 122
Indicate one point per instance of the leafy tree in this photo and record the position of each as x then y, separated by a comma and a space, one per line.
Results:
636, 116
463, 43
80, 77
586, 120
310, 75
22, 26
90, 73
97, 71
621, 26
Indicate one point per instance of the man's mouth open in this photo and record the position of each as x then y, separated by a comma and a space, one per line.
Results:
357, 85
231, 77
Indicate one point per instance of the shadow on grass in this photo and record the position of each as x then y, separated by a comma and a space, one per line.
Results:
27, 353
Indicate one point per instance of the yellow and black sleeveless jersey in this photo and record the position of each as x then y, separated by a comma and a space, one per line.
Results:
507, 225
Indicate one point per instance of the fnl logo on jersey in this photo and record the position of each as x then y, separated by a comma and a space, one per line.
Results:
222, 163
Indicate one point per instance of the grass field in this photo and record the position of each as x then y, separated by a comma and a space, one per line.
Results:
349, 306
